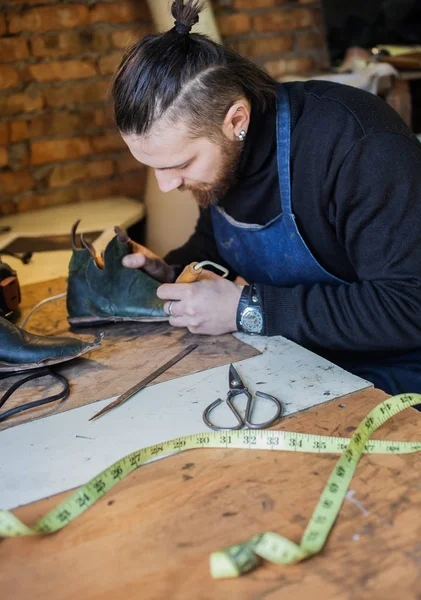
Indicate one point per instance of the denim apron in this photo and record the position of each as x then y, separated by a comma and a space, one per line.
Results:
276, 254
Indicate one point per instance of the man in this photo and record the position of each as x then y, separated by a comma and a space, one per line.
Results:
309, 191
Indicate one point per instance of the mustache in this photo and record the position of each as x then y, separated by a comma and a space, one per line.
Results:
200, 187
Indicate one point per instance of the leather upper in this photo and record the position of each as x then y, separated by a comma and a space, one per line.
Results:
113, 290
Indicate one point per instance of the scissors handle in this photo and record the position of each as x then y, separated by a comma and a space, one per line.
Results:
246, 421
249, 410
234, 411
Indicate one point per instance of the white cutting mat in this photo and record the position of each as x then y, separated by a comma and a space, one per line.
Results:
60, 452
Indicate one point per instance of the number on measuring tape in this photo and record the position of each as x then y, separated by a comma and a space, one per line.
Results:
251, 440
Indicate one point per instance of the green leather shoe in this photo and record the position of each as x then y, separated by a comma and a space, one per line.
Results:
103, 291
20, 350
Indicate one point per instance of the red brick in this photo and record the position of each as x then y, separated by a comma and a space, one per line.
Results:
46, 18
31, 1
7, 207
128, 163
3, 157
18, 156
63, 70
234, 24
20, 103
8, 77
15, 182
108, 142
122, 38
12, 49
33, 201
104, 189
283, 20
264, 46
108, 64
48, 151
64, 175
69, 43
119, 12
3, 27
77, 93
19, 131
309, 40
100, 190
63, 122
99, 118
4, 133
251, 4
317, 17
131, 185
277, 68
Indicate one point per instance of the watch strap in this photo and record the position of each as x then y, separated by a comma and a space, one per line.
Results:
248, 298
242, 304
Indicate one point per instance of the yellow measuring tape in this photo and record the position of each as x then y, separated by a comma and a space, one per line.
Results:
245, 556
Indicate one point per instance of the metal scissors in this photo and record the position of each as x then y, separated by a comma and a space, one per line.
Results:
237, 387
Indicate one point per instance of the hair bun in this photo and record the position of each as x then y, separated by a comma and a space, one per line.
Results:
186, 15
181, 28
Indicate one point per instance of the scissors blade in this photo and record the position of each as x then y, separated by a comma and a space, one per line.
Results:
235, 382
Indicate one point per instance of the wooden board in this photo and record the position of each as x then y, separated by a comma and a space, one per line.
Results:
129, 352
152, 535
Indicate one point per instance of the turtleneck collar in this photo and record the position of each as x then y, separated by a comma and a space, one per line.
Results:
257, 174
260, 142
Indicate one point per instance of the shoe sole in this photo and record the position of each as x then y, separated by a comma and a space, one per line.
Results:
88, 321
6, 367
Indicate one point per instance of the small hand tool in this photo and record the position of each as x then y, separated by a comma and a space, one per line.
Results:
237, 387
142, 384
194, 270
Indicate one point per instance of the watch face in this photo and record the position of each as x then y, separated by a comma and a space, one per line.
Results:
252, 320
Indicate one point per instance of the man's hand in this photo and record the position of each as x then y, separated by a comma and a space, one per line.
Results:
151, 263
208, 306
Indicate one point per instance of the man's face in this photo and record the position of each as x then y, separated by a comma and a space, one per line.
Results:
206, 168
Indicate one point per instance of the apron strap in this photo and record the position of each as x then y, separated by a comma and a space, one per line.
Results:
283, 139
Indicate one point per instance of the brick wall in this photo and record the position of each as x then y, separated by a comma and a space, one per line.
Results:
284, 36
57, 140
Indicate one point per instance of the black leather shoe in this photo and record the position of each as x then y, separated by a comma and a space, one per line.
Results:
20, 350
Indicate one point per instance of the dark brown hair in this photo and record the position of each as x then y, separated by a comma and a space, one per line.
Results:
184, 76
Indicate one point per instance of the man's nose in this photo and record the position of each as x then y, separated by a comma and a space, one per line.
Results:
167, 182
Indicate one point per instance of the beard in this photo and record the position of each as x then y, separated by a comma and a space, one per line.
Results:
206, 194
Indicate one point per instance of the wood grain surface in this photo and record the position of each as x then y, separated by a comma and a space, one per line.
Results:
152, 535
129, 352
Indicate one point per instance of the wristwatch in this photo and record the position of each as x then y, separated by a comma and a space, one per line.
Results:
249, 312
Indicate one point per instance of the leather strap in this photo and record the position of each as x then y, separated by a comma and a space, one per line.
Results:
42, 372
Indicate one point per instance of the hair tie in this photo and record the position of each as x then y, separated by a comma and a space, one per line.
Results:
181, 28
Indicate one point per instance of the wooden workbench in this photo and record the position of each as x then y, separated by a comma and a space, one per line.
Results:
152, 535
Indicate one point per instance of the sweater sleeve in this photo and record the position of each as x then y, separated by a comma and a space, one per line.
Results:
376, 208
200, 246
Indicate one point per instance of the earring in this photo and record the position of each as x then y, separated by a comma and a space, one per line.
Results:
242, 135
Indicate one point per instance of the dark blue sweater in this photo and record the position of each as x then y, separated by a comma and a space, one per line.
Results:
356, 195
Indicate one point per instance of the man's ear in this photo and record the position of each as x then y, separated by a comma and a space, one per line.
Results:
237, 119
